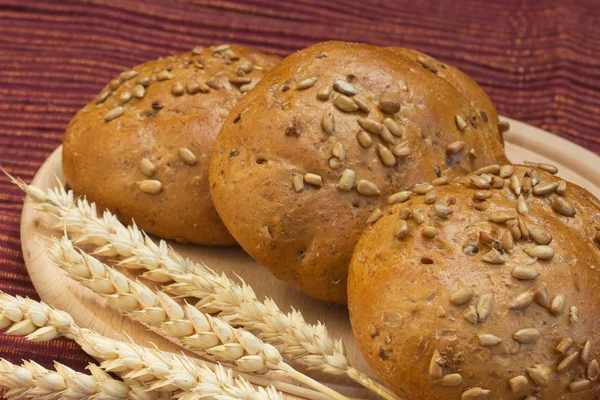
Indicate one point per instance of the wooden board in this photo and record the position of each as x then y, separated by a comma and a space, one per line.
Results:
524, 142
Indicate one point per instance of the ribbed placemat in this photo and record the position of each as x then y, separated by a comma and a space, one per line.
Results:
538, 60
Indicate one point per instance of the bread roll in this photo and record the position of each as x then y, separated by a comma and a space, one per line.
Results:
319, 144
142, 147
484, 288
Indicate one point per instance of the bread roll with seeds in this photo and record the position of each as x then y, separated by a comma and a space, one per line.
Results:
501, 303
322, 141
142, 147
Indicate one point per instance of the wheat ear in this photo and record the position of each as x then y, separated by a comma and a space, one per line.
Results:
184, 325
216, 292
32, 381
158, 370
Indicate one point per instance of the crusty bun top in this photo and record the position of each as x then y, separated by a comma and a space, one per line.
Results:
142, 147
484, 288
320, 143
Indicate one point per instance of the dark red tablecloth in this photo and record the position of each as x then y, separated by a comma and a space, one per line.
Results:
538, 60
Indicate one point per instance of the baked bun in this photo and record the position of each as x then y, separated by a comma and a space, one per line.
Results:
142, 147
484, 288
320, 143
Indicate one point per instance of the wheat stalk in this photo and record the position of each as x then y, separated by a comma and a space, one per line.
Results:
157, 370
32, 381
236, 302
184, 325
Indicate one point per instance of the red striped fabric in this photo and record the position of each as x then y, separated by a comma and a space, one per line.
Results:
538, 60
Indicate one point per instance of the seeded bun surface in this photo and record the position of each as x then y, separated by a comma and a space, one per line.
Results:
472, 292
317, 119
142, 148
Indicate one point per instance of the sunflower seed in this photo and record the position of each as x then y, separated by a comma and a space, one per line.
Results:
114, 84
527, 184
487, 238
523, 228
339, 151
138, 91
506, 171
401, 229
567, 361
127, 75
192, 87
441, 211
422, 188
386, 156
150, 186
527, 335
426, 64
497, 182
347, 180
493, 257
544, 188
455, 147
367, 188
240, 80
539, 374
245, 88
481, 206
430, 197
551, 169
124, 97
344, 88
393, 127
449, 380
508, 241
524, 273
388, 106
304, 83
541, 252
593, 370
482, 195
535, 176
518, 384
362, 104
435, 369
558, 304
484, 306
313, 179
187, 156
503, 126
522, 205
564, 345
204, 88
404, 213
487, 339
461, 124
364, 139
562, 187
462, 295
163, 75
429, 232
399, 197
563, 206
540, 235
103, 96
246, 66
439, 181
114, 113
298, 183
345, 104
522, 301
374, 216
585, 352
178, 89
328, 121
418, 216
370, 125
515, 184
335, 163
513, 227
500, 217
387, 136
145, 81
480, 182
146, 167
573, 315
474, 393
231, 55
488, 169
401, 151
220, 48
324, 93
470, 314
579, 385
541, 297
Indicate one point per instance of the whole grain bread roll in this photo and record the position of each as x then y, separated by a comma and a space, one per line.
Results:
319, 144
483, 288
142, 147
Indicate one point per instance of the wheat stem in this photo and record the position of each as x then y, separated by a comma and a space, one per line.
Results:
157, 370
236, 302
184, 325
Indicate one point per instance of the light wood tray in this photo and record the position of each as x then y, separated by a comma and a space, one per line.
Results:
523, 142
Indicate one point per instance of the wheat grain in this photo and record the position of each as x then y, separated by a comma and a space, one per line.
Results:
158, 370
184, 325
236, 302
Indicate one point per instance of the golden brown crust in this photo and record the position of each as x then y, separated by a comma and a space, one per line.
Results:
172, 109
289, 127
411, 296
